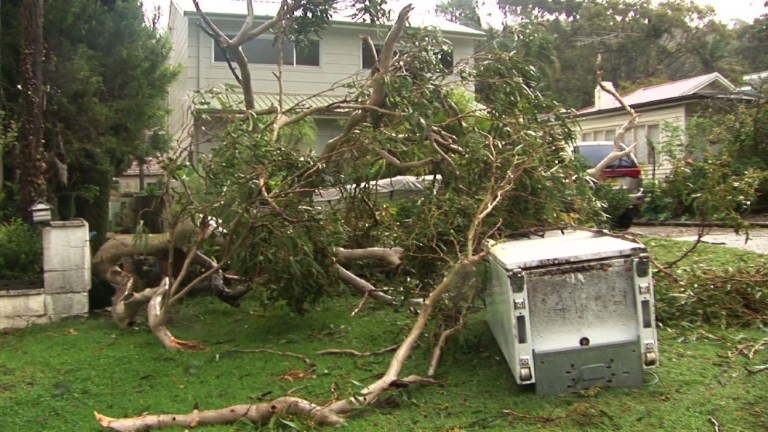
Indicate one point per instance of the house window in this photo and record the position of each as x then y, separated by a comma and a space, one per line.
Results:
369, 59
648, 138
265, 51
599, 135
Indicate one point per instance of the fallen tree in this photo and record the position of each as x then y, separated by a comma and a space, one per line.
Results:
503, 168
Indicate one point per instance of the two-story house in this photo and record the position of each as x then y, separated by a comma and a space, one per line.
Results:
662, 109
336, 56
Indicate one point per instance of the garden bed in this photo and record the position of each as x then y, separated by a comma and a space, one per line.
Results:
21, 284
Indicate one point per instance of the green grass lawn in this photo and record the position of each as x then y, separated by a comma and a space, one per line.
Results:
53, 377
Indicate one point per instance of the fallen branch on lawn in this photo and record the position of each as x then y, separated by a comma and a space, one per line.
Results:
757, 369
293, 375
363, 286
358, 353
257, 413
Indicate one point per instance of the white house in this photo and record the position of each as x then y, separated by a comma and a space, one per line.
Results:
660, 107
335, 57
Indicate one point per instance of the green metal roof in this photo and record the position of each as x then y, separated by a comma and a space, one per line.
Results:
233, 100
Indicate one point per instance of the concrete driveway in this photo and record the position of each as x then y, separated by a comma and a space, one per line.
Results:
756, 240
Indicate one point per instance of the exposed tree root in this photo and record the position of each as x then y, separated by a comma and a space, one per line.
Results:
126, 303
156, 319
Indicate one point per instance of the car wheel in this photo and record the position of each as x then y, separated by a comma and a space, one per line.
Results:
624, 221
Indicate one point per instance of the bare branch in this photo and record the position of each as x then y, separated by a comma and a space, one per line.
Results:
391, 256
376, 82
156, 314
363, 286
358, 353
404, 165
256, 413
373, 391
620, 150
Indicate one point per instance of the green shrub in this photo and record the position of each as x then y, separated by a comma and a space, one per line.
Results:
22, 251
659, 203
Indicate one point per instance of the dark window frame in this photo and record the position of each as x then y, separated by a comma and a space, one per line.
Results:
367, 59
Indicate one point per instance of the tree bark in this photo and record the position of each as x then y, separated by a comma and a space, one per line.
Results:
620, 150
390, 379
32, 167
156, 316
256, 413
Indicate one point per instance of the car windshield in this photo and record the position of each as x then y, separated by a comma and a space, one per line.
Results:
596, 153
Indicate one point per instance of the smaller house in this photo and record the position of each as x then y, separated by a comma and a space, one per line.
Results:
135, 196
661, 107
140, 177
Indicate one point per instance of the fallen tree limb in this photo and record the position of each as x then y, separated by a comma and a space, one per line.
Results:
377, 83
391, 256
256, 413
363, 286
371, 393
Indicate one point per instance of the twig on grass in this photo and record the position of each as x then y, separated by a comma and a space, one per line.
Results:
293, 375
715, 424
537, 418
358, 353
360, 304
301, 357
756, 369
750, 349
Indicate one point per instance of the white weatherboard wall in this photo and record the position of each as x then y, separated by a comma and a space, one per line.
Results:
66, 275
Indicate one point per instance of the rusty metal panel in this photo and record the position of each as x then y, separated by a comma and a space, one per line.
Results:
582, 305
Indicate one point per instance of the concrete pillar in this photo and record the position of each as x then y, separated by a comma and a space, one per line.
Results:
66, 279
67, 268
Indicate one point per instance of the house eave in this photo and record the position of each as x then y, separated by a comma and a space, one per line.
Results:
645, 106
473, 34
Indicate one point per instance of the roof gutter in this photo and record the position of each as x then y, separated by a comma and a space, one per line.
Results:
662, 104
474, 34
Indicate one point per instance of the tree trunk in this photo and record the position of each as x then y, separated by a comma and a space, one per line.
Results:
32, 159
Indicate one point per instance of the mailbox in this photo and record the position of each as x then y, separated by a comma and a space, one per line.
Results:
41, 211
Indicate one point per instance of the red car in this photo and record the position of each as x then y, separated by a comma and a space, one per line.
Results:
623, 173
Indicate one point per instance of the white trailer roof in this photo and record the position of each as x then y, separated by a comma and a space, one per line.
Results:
561, 247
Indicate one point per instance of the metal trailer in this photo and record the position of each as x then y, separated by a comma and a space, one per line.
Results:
572, 309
